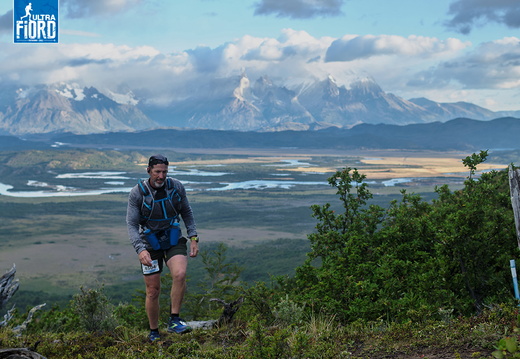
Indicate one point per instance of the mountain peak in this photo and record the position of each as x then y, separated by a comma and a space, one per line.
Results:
232, 103
331, 79
240, 91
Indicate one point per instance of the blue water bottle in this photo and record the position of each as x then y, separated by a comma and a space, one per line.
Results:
152, 239
175, 232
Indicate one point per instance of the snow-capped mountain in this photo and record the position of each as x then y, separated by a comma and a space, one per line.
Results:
65, 108
240, 104
236, 103
363, 102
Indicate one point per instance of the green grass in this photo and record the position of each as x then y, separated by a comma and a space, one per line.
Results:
316, 336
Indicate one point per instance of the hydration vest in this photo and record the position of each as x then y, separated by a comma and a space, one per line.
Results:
159, 214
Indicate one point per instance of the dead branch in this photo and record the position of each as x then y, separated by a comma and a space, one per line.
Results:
7, 317
514, 186
8, 286
20, 328
227, 315
229, 309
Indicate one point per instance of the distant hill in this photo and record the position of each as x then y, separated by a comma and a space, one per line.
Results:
12, 143
458, 134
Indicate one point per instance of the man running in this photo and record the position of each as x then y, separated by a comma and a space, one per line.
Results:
155, 207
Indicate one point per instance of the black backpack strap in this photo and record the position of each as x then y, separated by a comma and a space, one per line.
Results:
145, 192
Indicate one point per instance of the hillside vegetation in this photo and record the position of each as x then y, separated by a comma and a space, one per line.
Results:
457, 134
417, 279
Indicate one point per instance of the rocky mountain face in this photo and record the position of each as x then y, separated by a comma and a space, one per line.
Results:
242, 105
221, 104
363, 102
62, 108
264, 106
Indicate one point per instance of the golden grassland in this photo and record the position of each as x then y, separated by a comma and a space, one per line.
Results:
374, 164
396, 167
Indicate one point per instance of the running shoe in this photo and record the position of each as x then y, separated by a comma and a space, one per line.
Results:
177, 325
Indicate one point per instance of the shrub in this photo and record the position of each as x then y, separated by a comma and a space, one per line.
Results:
406, 262
94, 310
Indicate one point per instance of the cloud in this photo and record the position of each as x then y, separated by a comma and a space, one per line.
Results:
90, 64
469, 13
294, 56
205, 59
91, 8
351, 47
299, 9
492, 65
291, 45
407, 66
6, 22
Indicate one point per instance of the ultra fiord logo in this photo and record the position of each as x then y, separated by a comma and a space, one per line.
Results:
35, 21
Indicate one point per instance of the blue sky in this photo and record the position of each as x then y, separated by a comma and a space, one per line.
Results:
445, 50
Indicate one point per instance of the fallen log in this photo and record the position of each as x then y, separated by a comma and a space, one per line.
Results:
19, 353
227, 315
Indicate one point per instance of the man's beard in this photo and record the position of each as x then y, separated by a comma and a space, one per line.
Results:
158, 185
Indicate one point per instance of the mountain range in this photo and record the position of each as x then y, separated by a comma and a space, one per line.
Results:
234, 103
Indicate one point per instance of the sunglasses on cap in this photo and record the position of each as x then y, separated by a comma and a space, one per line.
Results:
157, 159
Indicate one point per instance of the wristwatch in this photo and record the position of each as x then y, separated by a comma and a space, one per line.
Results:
195, 238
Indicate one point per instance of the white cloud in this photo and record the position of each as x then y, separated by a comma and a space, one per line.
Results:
492, 65
350, 48
81, 63
409, 67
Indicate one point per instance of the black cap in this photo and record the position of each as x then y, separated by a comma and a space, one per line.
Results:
157, 159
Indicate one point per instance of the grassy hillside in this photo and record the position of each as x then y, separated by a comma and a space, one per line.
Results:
61, 243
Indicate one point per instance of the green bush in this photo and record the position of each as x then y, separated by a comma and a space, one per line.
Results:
55, 320
411, 260
94, 310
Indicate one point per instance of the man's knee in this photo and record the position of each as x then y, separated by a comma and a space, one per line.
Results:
179, 275
153, 292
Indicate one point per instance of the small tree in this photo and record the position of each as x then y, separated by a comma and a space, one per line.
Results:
94, 310
221, 282
476, 236
335, 274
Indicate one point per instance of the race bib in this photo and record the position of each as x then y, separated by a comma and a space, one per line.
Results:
154, 268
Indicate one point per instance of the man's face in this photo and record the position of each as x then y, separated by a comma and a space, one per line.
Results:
158, 174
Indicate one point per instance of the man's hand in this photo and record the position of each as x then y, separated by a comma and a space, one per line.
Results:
194, 248
145, 258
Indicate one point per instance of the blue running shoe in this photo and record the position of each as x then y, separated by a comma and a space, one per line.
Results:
177, 325
154, 336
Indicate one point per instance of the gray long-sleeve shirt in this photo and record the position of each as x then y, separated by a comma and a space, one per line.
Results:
134, 219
